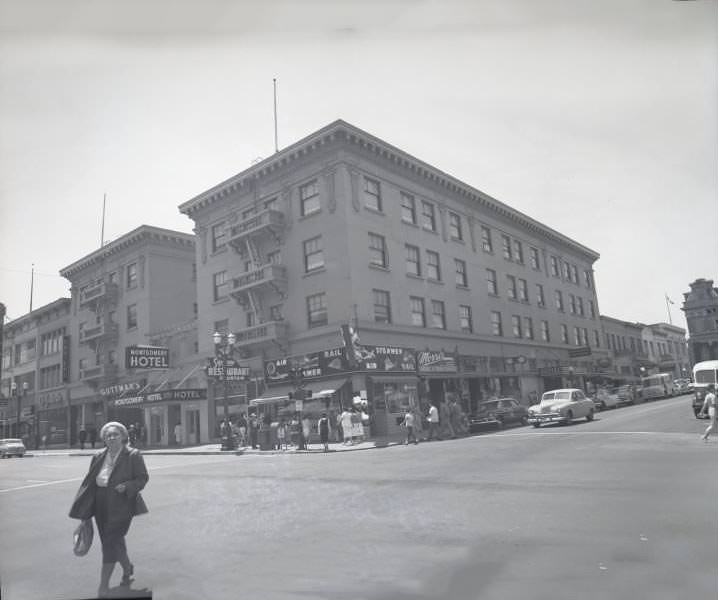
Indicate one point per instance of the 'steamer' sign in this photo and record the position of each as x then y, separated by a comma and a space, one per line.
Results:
147, 357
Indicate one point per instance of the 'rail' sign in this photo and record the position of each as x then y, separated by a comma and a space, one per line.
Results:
147, 357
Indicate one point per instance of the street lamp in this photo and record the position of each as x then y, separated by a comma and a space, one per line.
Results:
224, 351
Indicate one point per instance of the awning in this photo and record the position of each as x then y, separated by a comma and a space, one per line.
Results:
328, 387
273, 395
280, 393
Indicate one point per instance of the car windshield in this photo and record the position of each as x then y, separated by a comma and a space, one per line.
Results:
550, 396
705, 376
493, 405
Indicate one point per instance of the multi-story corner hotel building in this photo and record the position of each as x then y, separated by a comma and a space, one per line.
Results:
132, 290
448, 288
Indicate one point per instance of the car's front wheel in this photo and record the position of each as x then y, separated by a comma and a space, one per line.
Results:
537, 425
589, 416
524, 420
568, 418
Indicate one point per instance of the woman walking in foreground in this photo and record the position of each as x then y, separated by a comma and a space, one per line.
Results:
110, 493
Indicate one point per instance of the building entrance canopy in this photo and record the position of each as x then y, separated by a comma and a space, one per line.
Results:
319, 389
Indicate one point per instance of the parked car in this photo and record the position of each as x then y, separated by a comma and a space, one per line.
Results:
11, 447
628, 394
500, 412
561, 406
682, 386
606, 399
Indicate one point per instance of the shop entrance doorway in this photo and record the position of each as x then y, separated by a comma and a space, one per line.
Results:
192, 427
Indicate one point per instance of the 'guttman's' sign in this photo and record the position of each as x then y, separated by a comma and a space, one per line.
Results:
147, 357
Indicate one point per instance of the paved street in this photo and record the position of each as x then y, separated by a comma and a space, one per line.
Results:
623, 507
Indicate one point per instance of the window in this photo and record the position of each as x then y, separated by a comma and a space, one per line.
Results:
274, 258
219, 236
574, 274
559, 300
271, 204
131, 316
377, 251
491, 282
572, 304
408, 208
433, 268
438, 316
597, 339
564, 333
413, 260
518, 252
486, 242
416, 306
372, 194
528, 328
496, 327
461, 278
275, 313
588, 279
222, 326
592, 309
82, 363
250, 212
534, 258
576, 336
382, 306
112, 278
511, 287
112, 316
220, 285
112, 357
584, 337
250, 319
545, 333
465, 321
313, 254
579, 306
566, 271
131, 276
455, 226
309, 198
554, 266
523, 290
516, 325
428, 219
317, 310
540, 299
506, 245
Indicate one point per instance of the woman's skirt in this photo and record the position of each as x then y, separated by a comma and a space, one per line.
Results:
112, 532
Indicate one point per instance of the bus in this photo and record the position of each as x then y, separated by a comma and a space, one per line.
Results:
659, 385
704, 373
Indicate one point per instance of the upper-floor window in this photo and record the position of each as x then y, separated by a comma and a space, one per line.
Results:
377, 251
249, 212
528, 328
588, 280
131, 316
413, 260
564, 333
523, 290
271, 203
574, 274
313, 254
486, 242
433, 266
416, 308
274, 257
455, 230
545, 333
566, 271
496, 326
576, 336
220, 285
131, 275
579, 306
518, 252
592, 309
317, 310
275, 312
597, 339
438, 315
511, 287
466, 323
491, 282
382, 306
554, 267
309, 198
516, 325
112, 357
408, 208
506, 245
219, 236
372, 194
534, 258
559, 300
428, 216
461, 277
540, 300
112, 277
572, 304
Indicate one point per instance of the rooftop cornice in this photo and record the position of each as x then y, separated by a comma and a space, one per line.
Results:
135, 237
621, 322
37, 314
341, 130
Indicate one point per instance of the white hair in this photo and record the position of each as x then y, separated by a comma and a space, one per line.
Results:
122, 429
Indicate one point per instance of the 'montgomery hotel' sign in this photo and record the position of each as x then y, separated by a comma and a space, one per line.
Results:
147, 357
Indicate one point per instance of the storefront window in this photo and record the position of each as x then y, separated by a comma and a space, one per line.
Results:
396, 396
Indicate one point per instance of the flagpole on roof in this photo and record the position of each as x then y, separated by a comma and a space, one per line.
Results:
668, 308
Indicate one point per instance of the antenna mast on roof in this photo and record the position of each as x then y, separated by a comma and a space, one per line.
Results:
102, 231
276, 144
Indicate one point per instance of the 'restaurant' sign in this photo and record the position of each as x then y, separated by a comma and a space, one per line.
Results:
147, 357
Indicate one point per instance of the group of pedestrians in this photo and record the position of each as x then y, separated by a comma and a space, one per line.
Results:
446, 420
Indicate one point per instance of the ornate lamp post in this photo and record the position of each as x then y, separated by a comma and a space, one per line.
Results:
224, 353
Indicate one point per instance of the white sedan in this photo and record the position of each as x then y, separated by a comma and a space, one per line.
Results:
11, 447
561, 406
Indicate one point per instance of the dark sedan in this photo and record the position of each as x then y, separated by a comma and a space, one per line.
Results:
498, 413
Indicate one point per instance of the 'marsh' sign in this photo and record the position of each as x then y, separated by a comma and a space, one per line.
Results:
147, 357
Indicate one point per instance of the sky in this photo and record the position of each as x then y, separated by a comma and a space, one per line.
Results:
599, 119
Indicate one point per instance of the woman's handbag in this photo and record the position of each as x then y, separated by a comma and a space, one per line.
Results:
82, 539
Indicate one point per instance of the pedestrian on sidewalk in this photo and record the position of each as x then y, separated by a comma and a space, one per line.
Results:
346, 421
282, 435
111, 493
178, 434
242, 424
306, 430
253, 428
92, 433
433, 420
82, 436
132, 432
323, 427
709, 406
409, 424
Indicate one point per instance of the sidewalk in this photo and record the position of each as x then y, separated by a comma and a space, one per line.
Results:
209, 449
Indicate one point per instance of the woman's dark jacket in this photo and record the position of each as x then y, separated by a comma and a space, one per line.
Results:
129, 469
